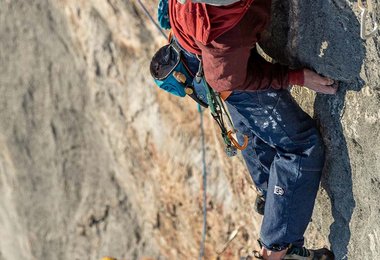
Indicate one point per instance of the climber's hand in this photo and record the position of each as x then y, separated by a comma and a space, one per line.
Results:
318, 83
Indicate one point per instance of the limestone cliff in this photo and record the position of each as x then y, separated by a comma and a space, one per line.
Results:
95, 161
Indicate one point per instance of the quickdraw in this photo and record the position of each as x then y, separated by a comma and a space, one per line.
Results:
217, 110
367, 8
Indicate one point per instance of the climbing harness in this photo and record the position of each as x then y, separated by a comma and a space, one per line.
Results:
171, 73
366, 8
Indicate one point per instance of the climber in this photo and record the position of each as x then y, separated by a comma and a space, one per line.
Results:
286, 153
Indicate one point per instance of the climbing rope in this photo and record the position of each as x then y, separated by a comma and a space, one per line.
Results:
152, 19
204, 176
217, 109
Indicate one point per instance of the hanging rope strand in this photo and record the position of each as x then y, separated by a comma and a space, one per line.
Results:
152, 19
204, 230
204, 175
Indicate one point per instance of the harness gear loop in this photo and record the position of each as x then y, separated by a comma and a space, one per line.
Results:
236, 143
367, 8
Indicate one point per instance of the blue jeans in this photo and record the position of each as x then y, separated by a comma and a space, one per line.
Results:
285, 158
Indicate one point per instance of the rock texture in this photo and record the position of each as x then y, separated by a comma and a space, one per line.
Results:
95, 161
324, 35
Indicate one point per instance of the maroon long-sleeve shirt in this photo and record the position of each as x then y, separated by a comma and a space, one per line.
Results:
226, 37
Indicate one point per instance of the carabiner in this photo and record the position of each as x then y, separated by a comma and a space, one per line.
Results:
236, 143
366, 9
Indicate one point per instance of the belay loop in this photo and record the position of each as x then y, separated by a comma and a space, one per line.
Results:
217, 110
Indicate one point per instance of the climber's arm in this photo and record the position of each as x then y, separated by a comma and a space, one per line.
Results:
240, 68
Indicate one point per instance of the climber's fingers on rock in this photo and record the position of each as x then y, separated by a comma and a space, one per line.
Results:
312, 77
335, 86
321, 88
327, 81
331, 89
319, 83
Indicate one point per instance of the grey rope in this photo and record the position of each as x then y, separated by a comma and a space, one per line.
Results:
204, 230
204, 175
152, 19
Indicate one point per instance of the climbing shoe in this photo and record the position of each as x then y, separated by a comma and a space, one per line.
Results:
301, 253
298, 253
259, 204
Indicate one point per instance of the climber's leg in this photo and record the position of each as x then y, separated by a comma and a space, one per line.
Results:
274, 117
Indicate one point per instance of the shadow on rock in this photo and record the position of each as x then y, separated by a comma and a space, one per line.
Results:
337, 177
324, 36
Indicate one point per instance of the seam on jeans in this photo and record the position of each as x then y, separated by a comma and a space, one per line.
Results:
262, 103
254, 150
261, 165
295, 184
257, 157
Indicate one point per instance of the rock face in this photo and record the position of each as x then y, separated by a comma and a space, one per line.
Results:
325, 36
95, 161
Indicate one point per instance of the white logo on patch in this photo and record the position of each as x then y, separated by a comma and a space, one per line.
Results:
278, 190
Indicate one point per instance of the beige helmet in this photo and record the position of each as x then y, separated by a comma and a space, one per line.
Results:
211, 2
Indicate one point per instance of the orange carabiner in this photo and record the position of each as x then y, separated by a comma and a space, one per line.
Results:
235, 143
